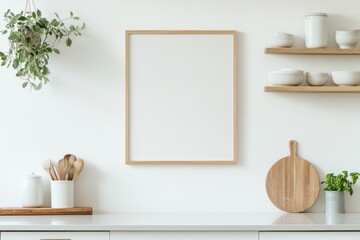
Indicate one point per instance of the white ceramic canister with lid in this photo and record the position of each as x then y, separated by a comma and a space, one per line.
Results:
32, 191
316, 33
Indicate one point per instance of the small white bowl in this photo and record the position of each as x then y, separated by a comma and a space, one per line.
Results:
281, 34
291, 70
348, 32
316, 78
347, 41
281, 39
346, 78
285, 78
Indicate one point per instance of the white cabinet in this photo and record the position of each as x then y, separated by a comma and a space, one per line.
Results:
183, 236
55, 236
309, 236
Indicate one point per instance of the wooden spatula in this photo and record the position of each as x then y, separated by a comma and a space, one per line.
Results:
292, 183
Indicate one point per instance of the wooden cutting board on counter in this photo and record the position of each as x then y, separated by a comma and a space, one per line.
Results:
47, 211
292, 183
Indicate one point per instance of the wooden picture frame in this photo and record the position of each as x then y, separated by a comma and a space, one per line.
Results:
180, 97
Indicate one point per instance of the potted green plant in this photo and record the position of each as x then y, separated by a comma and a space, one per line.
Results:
32, 38
335, 187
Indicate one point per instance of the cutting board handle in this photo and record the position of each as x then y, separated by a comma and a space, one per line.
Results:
293, 149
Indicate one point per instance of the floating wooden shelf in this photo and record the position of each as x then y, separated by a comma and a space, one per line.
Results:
310, 89
312, 51
47, 211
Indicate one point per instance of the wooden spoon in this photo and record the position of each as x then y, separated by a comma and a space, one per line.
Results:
67, 156
54, 171
72, 158
70, 170
78, 166
62, 167
47, 167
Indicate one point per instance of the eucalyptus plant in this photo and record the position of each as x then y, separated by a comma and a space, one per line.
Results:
341, 182
32, 38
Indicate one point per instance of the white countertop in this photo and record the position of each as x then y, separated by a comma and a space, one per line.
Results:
185, 222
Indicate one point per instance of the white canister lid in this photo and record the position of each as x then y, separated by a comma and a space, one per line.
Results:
313, 14
32, 175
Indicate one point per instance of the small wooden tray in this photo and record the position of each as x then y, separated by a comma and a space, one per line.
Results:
47, 211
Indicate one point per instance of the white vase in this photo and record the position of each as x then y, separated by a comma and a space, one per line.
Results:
334, 202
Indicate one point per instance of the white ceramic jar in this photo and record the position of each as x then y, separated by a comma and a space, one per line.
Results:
316, 34
32, 191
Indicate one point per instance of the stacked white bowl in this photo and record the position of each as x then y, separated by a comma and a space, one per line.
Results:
286, 76
347, 39
281, 40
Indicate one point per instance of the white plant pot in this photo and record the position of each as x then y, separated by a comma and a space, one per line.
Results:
334, 202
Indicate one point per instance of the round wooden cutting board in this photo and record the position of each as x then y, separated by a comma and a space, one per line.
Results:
292, 183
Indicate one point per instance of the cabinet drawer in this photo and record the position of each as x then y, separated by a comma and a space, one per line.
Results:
55, 236
309, 235
183, 236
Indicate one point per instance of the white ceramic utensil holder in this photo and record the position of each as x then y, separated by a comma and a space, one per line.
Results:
62, 194
32, 192
316, 33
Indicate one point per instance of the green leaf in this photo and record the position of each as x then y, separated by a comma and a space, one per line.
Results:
72, 28
57, 15
46, 70
56, 50
76, 18
33, 15
33, 85
22, 18
25, 84
14, 20
4, 32
71, 14
38, 12
37, 29
16, 63
68, 42
55, 23
38, 87
46, 80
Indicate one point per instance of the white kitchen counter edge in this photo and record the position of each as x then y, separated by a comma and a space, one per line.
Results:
239, 222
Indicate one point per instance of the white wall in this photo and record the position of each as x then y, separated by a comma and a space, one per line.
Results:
82, 110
